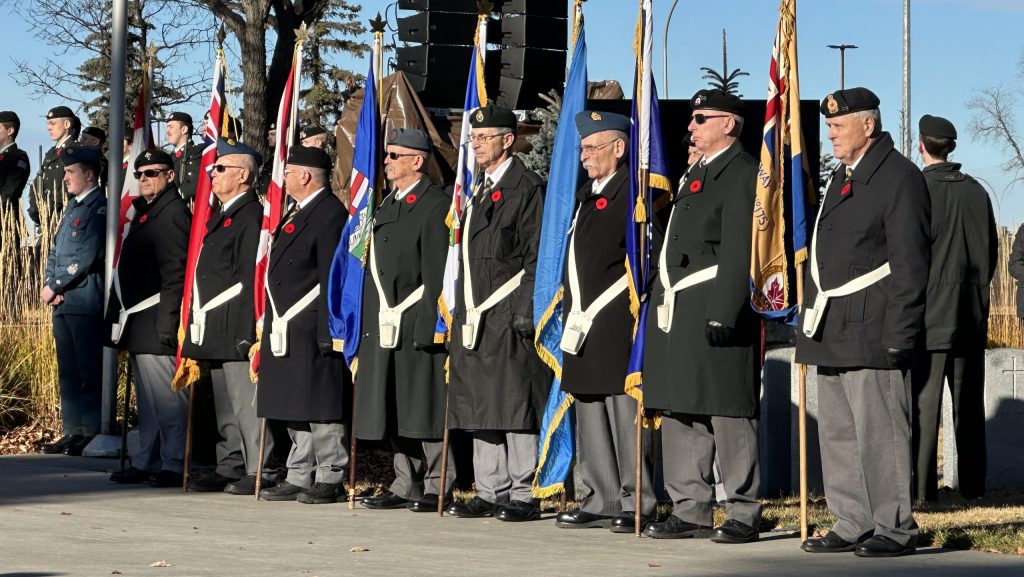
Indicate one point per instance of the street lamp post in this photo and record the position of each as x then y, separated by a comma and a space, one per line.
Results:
842, 48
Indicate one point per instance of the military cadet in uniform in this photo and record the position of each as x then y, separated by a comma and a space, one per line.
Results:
187, 155
267, 169
400, 387
498, 384
46, 199
598, 333
703, 342
302, 380
143, 315
73, 286
314, 136
14, 165
863, 310
964, 253
222, 324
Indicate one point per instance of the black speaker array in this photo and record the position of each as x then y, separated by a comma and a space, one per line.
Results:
531, 36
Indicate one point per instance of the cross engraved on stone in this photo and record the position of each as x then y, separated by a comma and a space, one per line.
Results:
1014, 372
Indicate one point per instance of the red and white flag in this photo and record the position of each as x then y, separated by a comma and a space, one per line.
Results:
142, 139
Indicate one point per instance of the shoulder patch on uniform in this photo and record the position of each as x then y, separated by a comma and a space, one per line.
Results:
22, 163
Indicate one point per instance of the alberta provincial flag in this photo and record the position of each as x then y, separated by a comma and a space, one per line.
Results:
781, 203
557, 441
465, 173
345, 283
649, 187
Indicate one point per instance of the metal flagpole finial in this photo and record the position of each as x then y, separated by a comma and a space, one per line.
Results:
484, 7
151, 53
378, 24
301, 34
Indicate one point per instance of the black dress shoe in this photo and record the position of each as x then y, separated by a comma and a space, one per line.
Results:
210, 483
830, 543
322, 494
733, 531
386, 500
625, 522
474, 508
676, 528
284, 491
164, 479
426, 504
247, 486
580, 519
76, 444
57, 447
131, 476
882, 546
518, 511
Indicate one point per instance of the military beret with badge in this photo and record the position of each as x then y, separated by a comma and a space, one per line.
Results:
714, 99
96, 132
590, 122
181, 117
936, 126
226, 146
310, 131
848, 101
154, 156
60, 112
409, 138
493, 116
78, 153
309, 156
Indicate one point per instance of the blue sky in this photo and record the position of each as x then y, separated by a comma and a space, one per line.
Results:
958, 46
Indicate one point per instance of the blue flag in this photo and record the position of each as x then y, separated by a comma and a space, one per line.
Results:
345, 283
556, 435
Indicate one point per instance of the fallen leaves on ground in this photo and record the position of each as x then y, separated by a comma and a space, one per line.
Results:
160, 563
358, 549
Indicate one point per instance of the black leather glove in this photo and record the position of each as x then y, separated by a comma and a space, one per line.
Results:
718, 335
169, 340
900, 358
243, 348
431, 348
523, 326
326, 349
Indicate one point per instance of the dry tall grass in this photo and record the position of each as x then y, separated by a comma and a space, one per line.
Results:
1005, 329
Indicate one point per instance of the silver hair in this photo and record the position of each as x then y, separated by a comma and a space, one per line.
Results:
249, 164
320, 176
873, 113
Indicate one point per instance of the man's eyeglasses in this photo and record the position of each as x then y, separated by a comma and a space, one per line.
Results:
149, 172
396, 155
482, 138
220, 168
592, 148
702, 118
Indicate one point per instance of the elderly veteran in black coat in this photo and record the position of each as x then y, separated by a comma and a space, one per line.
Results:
964, 253
498, 384
302, 380
143, 317
400, 388
703, 344
73, 287
222, 324
598, 333
863, 312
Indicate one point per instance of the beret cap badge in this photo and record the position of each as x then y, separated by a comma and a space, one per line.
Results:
595, 116
699, 100
479, 115
148, 155
833, 106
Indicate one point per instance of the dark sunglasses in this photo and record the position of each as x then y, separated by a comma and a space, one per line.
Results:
149, 172
396, 156
220, 168
702, 118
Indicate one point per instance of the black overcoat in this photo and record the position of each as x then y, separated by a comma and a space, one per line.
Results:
711, 225
14, 173
48, 186
502, 384
401, 391
186, 168
883, 216
600, 232
228, 257
153, 256
964, 254
309, 382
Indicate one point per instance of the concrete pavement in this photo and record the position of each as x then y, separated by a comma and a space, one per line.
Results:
60, 516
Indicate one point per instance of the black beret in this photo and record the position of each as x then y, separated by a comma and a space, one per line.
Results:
154, 156
273, 126
76, 153
60, 112
843, 102
591, 122
936, 126
714, 99
409, 138
493, 116
313, 130
226, 146
9, 117
309, 156
181, 117
96, 132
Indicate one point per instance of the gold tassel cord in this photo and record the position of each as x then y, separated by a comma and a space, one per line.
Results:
556, 488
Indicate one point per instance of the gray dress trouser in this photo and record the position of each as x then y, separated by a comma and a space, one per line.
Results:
418, 468
504, 464
319, 453
234, 401
163, 414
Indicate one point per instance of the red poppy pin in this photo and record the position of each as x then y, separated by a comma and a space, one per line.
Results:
143, 218
496, 196
695, 186
227, 222
289, 228
845, 190
601, 204
77, 222
410, 198
177, 154
1, 157
124, 166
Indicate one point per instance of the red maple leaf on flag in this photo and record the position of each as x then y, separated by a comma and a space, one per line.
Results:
775, 295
